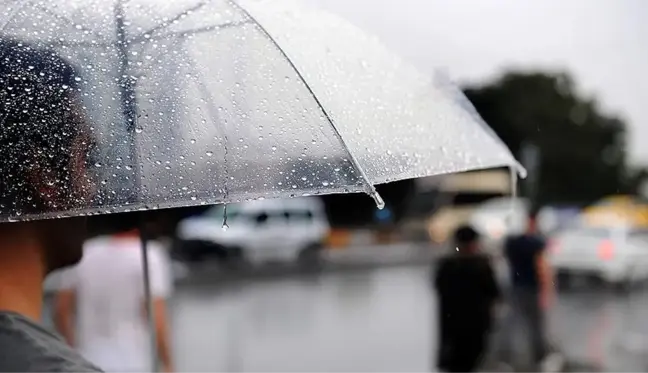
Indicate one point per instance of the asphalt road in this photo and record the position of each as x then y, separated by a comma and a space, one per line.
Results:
371, 320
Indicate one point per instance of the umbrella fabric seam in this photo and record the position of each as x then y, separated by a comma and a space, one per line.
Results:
371, 189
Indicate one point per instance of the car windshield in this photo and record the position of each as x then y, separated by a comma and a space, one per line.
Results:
299, 215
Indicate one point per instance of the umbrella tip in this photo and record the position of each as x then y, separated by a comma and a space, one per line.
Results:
380, 203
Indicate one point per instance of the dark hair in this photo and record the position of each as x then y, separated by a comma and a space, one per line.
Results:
465, 235
38, 124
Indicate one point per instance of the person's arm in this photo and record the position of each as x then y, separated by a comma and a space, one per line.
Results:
546, 278
491, 284
161, 283
65, 305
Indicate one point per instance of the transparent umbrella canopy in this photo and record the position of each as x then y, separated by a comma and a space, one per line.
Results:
194, 102
120, 105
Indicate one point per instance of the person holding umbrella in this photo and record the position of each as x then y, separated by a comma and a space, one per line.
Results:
38, 176
468, 293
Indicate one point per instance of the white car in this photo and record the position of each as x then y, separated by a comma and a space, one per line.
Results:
617, 254
278, 230
499, 218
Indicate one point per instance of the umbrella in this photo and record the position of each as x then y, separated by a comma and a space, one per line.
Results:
210, 102
201, 102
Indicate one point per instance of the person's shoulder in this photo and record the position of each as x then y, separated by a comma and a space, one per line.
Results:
539, 242
28, 347
511, 241
483, 260
445, 261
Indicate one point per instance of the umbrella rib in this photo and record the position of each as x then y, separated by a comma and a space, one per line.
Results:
195, 31
68, 20
177, 17
13, 14
370, 188
215, 117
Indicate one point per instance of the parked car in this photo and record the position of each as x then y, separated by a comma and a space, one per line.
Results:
259, 231
616, 254
498, 218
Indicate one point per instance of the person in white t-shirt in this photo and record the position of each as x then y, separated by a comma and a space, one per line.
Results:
100, 306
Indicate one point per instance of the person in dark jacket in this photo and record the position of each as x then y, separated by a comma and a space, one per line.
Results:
532, 295
468, 293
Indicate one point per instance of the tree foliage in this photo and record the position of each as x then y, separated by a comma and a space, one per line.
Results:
582, 150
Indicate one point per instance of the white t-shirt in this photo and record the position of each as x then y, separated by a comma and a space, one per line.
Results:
112, 331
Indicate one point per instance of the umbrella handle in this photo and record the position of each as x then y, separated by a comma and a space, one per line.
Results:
148, 300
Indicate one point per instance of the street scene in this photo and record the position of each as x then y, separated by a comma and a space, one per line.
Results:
363, 319
323, 186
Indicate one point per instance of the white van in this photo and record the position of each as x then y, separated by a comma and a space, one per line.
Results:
277, 230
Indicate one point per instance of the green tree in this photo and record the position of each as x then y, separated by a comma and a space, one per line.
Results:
582, 150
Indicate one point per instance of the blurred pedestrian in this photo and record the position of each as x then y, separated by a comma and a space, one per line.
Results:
531, 295
468, 293
43, 147
100, 307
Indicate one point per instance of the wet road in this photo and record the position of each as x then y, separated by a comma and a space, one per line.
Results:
372, 320
347, 321
379, 320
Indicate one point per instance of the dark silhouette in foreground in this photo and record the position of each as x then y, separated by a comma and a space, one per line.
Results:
468, 293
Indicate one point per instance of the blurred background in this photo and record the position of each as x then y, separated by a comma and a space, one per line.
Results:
334, 284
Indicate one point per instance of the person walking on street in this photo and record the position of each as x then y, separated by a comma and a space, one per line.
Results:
531, 295
100, 306
468, 294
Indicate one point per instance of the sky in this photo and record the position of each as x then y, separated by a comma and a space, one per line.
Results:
602, 43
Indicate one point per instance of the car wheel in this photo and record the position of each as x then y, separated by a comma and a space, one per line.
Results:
310, 257
193, 251
235, 258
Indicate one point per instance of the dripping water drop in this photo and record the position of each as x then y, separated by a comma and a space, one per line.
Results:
225, 226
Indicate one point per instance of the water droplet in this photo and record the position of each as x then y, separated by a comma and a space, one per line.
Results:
325, 183
193, 141
225, 226
209, 153
76, 78
138, 130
